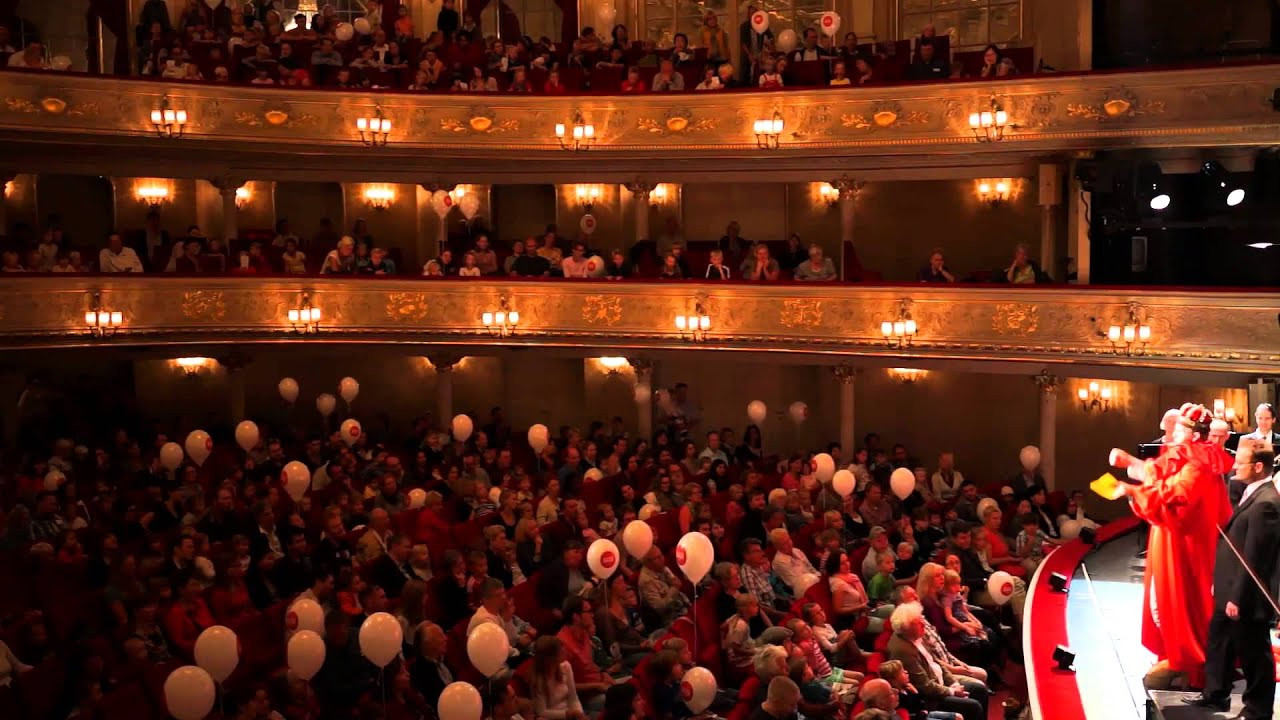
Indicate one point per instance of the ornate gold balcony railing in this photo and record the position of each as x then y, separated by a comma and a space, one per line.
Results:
1194, 107
1219, 331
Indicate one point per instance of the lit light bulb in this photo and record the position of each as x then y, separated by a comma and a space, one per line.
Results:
1082, 394
486, 319
886, 328
1106, 393
294, 317
681, 323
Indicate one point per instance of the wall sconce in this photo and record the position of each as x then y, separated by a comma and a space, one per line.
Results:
1224, 412
501, 322
995, 192
988, 125
768, 131
907, 376
101, 321
375, 129
379, 198
192, 365
901, 330
168, 121
305, 319
612, 365
1132, 336
660, 195
694, 327
243, 196
586, 196
828, 194
577, 135
1095, 397
153, 195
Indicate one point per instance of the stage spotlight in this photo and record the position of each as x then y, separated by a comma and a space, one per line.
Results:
1064, 658
1058, 582
1221, 183
1089, 536
1152, 188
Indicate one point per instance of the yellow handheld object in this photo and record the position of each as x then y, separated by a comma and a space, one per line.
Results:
1107, 486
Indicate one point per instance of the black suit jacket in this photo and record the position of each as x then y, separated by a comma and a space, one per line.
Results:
388, 575
1254, 530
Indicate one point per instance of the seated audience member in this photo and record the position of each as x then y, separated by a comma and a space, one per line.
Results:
864, 71
782, 701
927, 65
486, 259
469, 267
770, 77
531, 263
667, 78
759, 266
936, 271
1030, 543
808, 51
736, 636
727, 76
938, 687
618, 266
1023, 270
577, 640
633, 83
839, 75
716, 269
710, 80
670, 268
816, 267
555, 696
429, 674
578, 265
115, 257
991, 57
660, 590
790, 564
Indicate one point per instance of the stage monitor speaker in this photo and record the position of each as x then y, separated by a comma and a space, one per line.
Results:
1058, 582
1064, 659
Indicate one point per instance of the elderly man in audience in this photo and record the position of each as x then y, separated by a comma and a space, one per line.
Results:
940, 689
816, 268
660, 590
758, 579
790, 565
115, 257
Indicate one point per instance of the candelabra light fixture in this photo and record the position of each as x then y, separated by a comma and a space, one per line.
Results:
1132, 334
994, 192
988, 125
1224, 412
829, 194
152, 195
768, 131
901, 330
305, 319
375, 129
908, 376
586, 196
577, 134
243, 196
168, 121
379, 198
695, 326
660, 195
101, 321
501, 322
612, 364
192, 365
1095, 396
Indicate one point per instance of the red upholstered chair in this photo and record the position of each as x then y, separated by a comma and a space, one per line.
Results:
666, 529
746, 699
809, 73
40, 688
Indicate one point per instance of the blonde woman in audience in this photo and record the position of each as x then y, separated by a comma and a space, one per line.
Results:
554, 695
469, 268
432, 269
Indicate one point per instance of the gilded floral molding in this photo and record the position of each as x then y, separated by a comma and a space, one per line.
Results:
1232, 332
1194, 107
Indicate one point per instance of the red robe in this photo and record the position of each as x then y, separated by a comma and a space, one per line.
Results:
1185, 500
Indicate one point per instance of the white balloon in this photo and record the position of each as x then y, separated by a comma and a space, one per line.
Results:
171, 456
348, 388
637, 538
470, 205
844, 483
760, 21
217, 651
205, 566
462, 428
488, 647
380, 638
786, 41
648, 511
539, 436
417, 498
296, 478
247, 435
799, 411
288, 388
902, 482
325, 403
1070, 529
698, 689
350, 430
824, 467
305, 614
53, 480
362, 26
757, 411
602, 558
188, 693
829, 23
1000, 586
441, 202
306, 654
643, 394
199, 445
592, 475
694, 555
344, 32
459, 701
1029, 457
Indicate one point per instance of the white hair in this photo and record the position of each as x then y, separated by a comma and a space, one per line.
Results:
777, 535
767, 660
1219, 424
905, 615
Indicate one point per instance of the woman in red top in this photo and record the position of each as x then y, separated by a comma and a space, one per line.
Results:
1001, 557
188, 616
633, 83
230, 596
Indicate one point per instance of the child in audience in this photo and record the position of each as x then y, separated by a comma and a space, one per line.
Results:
432, 269
770, 78
666, 671
477, 573
836, 678
882, 583
835, 645
811, 690
469, 268
716, 269
404, 25
909, 697
957, 610
608, 521
1029, 545
739, 646
907, 566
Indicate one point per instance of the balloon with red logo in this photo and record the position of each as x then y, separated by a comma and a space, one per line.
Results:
588, 223
305, 614
1000, 587
595, 266
698, 689
829, 23
799, 412
198, 446
694, 555
760, 21
296, 478
602, 558
350, 430
824, 467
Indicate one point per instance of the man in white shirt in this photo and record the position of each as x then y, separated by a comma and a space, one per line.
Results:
947, 480
713, 451
493, 599
790, 565
115, 257
810, 50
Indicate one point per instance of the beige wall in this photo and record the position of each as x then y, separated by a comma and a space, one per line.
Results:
175, 215
608, 211
1061, 32
20, 204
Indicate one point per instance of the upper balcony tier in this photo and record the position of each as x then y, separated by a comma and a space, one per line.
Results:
287, 133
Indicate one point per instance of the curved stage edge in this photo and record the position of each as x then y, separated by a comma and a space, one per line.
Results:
1044, 627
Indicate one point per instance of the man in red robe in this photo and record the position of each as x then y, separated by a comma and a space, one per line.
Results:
1182, 496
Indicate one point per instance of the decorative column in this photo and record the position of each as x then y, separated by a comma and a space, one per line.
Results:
227, 187
640, 205
5, 178
1078, 240
845, 375
444, 364
1048, 385
1050, 196
235, 364
848, 189
644, 396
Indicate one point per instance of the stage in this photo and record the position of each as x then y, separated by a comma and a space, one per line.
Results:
1103, 624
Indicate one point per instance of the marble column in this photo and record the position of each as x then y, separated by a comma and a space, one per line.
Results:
640, 205
5, 179
444, 364
1078, 240
845, 375
227, 187
644, 397
848, 188
1048, 390
235, 364
1050, 196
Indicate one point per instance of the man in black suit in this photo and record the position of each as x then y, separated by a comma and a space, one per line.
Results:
391, 569
1243, 614
1264, 418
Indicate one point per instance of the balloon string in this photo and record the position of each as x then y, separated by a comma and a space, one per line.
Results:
695, 622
